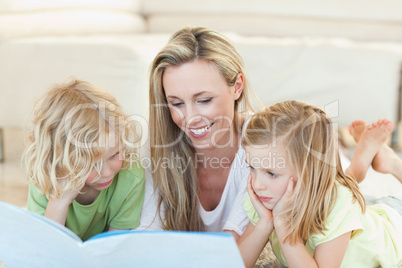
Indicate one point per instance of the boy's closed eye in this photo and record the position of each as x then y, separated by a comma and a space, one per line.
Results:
116, 154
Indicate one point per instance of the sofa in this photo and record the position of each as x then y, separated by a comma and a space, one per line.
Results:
342, 55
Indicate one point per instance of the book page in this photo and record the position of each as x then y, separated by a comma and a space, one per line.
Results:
164, 249
31, 240
27, 238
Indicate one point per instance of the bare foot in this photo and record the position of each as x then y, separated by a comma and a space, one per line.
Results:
387, 161
371, 140
356, 129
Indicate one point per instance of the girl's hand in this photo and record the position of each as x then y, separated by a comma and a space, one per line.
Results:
264, 213
283, 204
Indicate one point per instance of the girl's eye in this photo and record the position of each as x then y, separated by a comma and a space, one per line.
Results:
271, 174
204, 101
251, 168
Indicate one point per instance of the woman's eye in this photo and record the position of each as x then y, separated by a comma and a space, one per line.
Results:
176, 104
205, 100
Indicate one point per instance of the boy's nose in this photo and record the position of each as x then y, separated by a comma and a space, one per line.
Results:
106, 171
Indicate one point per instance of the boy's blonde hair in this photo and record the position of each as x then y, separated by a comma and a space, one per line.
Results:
72, 126
312, 146
178, 186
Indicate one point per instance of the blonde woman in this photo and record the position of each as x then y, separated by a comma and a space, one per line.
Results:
79, 160
199, 96
301, 200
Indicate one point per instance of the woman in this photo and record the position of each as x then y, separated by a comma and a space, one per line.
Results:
199, 99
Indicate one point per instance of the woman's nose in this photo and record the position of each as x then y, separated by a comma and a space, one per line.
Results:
192, 115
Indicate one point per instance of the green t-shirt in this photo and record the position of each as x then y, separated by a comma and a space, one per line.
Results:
376, 238
118, 206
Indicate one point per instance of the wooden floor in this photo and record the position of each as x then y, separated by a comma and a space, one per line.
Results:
13, 181
13, 184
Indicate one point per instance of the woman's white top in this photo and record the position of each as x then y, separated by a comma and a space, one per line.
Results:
228, 215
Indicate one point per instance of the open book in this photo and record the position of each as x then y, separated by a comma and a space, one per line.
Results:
31, 240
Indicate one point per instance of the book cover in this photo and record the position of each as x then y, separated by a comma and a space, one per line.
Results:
31, 240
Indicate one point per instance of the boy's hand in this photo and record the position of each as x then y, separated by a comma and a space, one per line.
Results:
66, 197
264, 213
57, 207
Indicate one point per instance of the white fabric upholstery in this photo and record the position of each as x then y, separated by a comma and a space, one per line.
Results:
279, 26
31, 66
356, 81
29, 5
74, 22
380, 10
356, 19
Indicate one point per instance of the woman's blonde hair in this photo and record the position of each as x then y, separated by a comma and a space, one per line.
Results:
178, 185
312, 146
72, 124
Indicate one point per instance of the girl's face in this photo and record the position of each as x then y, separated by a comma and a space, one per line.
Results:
112, 162
270, 172
201, 103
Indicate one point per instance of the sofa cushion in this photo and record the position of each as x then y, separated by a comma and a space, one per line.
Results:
43, 5
352, 80
379, 10
279, 26
70, 22
356, 19
118, 64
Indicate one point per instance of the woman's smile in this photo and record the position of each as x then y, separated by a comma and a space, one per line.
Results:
200, 132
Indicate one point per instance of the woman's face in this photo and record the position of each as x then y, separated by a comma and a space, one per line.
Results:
201, 103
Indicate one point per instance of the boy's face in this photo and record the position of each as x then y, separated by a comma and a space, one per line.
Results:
112, 163
270, 172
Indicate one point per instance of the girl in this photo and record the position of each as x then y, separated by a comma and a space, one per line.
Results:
303, 203
197, 90
80, 161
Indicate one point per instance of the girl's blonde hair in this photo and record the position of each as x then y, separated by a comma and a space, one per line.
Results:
178, 185
72, 124
312, 146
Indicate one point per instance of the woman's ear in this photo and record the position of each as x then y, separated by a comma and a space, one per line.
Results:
238, 86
